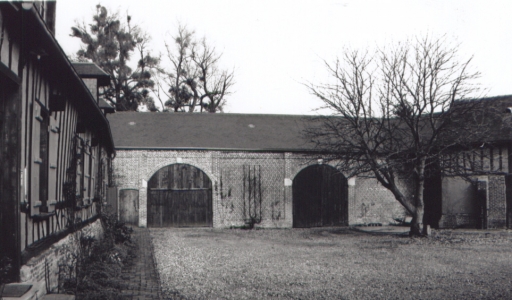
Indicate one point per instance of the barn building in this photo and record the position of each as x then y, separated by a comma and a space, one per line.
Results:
56, 147
232, 170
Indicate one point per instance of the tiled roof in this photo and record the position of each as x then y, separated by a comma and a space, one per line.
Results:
91, 70
498, 119
147, 130
208, 131
105, 106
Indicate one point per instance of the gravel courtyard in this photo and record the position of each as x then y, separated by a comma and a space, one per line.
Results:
332, 264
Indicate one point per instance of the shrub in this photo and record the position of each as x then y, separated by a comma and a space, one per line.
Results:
5, 270
96, 264
115, 230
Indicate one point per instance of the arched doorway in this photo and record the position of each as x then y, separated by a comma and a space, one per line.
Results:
320, 197
179, 195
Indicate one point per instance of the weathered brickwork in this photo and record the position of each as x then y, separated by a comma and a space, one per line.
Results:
33, 271
368, 202
230, 187
497, 205
374, 203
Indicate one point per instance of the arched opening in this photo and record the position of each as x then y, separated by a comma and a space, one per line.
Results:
320, 197
179, 195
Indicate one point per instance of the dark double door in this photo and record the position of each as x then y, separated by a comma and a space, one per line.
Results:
179, 195
320, 197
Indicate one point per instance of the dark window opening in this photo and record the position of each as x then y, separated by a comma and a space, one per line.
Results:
500, 159
491, 158
90, 171
43, 155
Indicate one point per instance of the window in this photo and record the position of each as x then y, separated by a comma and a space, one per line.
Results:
80, 171
43, 158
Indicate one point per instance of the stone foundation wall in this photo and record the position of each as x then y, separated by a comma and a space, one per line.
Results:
33, 272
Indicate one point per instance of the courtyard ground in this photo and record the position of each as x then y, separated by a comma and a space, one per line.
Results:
337, 263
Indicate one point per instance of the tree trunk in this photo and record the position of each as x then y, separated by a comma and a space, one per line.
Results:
417, 226
194, 102
416, 223
119, 105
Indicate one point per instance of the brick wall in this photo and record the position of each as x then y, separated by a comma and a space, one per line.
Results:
368, 202
33, 272
373, 203
497, 205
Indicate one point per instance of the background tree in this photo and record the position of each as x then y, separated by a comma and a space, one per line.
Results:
194, 78
181, 74
148, 68
398, 112
213, 84
110, 43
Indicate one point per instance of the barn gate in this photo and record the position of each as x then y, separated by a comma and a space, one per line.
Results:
320, 197
179, 195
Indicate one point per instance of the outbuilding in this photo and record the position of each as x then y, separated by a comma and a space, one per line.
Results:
232, 170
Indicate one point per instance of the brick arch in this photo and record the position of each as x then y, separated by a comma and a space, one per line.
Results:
173, 161
304, 166
184, 200
143, 197
320, 197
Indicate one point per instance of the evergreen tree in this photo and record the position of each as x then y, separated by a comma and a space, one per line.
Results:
109, 43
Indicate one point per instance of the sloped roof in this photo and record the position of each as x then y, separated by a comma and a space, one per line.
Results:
490, 121
91, 70
62, 70
147, 130
105, 106
256, 132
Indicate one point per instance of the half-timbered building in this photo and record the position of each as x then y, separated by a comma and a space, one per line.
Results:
56, 146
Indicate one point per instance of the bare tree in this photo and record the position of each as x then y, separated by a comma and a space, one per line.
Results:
213, 84
148, 69
396, 113
179, 93
194, 78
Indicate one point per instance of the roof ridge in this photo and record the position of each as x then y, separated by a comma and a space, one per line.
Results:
216, 114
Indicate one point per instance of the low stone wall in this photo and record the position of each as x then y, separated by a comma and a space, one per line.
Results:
42, 271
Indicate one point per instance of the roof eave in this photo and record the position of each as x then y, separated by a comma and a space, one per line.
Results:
58, 54
304, 150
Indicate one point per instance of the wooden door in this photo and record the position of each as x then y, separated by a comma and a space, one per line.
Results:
180, 195
320, 197
508, 195
129, 206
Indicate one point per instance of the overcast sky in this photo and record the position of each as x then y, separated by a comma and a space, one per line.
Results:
275, 46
